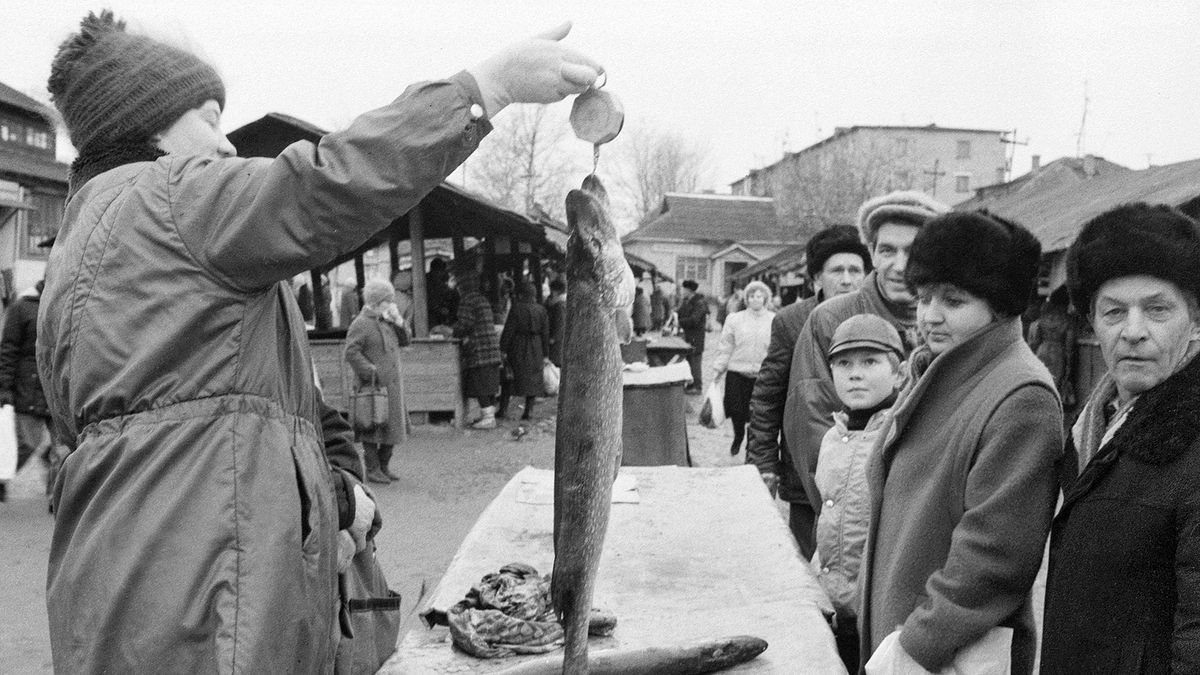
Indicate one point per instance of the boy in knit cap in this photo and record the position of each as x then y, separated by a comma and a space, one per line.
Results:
865, 358
199, 526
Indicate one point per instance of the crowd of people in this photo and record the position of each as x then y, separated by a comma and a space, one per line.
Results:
918, 437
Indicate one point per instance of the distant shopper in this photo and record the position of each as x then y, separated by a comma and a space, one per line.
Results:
556, 306
660, 307
740, 353
476, 326
20, 386
865, 359
693, 320
963, 485
641, 312
1052, 338
372, 349
524, 343
837, 263
1123, 590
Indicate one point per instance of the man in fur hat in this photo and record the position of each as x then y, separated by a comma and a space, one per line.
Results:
1123, 590
199, 527
887, 225
837, 263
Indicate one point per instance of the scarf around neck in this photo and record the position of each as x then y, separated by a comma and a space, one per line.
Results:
94, 161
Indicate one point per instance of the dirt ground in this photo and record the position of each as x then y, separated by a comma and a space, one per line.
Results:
449, 476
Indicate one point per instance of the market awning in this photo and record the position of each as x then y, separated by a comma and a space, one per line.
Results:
638, 262
790, 259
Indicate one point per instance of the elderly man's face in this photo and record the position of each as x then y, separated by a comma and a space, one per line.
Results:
842, 273
1144, 324
890, 257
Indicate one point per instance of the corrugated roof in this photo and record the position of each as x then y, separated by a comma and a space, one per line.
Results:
789, 259
706, 217
1056, 213
1062, 171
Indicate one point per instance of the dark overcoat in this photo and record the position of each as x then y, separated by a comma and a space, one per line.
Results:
373, 352
18, 357
1123, 591
525, 342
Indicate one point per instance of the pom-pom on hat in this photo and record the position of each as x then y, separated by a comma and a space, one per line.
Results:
1134, 239
114, 88
981, 253
831, 241
903, 207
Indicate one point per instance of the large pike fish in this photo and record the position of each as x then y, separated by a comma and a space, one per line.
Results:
587, 445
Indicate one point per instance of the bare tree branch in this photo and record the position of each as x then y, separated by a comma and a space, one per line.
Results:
656, 162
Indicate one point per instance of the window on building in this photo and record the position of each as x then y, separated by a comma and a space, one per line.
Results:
1000, 175
962, 183
901, 146
902, 179
41, 222
964, 150
687, 267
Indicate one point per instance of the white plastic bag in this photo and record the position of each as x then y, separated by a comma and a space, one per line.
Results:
8, 443
550, 378
990, 655
713, 413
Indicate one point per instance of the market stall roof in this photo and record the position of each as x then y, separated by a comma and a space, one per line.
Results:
638, 261
1056, 215
790, 259
448, 211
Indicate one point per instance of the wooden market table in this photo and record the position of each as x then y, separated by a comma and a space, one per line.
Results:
690, 553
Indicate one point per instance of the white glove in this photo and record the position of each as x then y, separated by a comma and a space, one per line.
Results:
345, 552
364, 513
536, 70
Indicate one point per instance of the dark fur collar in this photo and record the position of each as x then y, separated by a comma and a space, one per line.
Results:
1164, 421
95, 161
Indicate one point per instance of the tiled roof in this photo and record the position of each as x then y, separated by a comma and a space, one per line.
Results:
707, 217
1056, 212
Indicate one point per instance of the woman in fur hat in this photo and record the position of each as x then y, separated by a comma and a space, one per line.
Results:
198, 528
1123, 590
963, 485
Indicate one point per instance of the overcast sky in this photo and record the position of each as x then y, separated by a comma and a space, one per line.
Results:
746, 78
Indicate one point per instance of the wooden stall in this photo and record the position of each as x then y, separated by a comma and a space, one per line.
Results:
496, 239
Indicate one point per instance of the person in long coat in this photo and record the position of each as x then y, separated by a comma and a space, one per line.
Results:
1123, 588
198, 524
556, 306
19, 383
373, 344
693, 319
641, 312
476, 327
963, 485
525, 341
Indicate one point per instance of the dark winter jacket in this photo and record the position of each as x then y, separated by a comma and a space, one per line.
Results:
556, 306
196, 516
525, 342
811, 398
766, 448
19, 381
962, 488
1123, 592
477, 327
693, 319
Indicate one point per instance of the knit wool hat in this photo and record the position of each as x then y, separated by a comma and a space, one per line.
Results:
831, 241
981, 253
904, 207
1134, 239
114, 88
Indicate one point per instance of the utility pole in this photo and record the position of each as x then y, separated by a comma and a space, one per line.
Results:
1012, 151
936, 174
1082, 123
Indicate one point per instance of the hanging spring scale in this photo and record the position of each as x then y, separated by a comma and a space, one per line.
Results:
597, 117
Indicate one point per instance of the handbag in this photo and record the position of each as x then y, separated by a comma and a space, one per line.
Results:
8, 443
369, 616
369, 406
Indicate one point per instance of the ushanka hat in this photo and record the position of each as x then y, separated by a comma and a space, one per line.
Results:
903, 207
1134, 239
831, 241
117, 89
981, 253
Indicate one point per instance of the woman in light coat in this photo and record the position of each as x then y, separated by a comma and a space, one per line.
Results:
963, 485
373, 344
745, 338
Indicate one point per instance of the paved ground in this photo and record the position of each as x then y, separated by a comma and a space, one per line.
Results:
449, 477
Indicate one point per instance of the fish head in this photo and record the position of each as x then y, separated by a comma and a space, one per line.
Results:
594, 248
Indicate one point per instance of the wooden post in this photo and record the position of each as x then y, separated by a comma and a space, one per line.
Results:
416, 236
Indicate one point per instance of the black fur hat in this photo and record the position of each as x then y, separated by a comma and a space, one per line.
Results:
981, 253
831, 241
1155, 240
